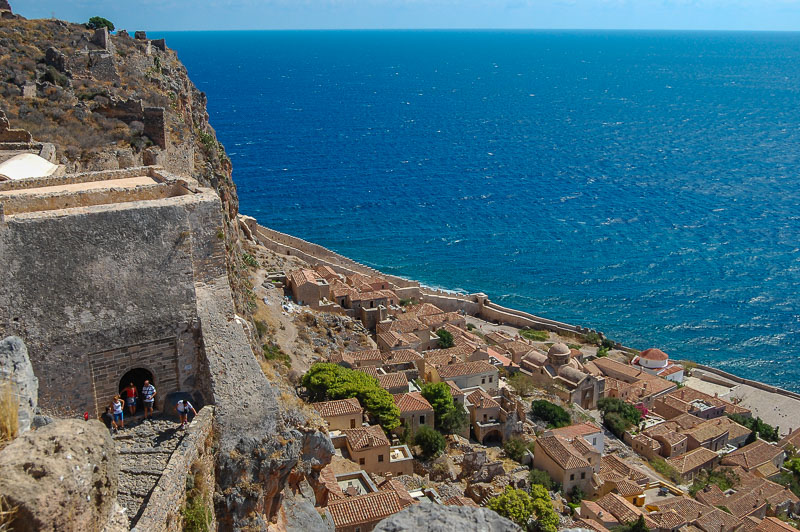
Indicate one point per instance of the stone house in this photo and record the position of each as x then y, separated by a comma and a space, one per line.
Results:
361, 513
591, 433
751, 492
394, 340
689, 464
471, 374
308, 287
760, 458
569, 463
369, 448
672, 442
358, 359
612, 510
341, 414
415, 411
407, 361
690, 401
711, 435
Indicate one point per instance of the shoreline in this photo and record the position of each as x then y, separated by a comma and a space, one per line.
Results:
458, 301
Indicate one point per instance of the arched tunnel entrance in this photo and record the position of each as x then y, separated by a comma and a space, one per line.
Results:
137, 376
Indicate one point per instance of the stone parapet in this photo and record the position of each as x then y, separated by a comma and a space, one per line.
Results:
163, 510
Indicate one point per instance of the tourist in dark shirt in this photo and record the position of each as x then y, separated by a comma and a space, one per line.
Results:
108, 419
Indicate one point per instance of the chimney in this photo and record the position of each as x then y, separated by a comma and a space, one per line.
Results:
683, 393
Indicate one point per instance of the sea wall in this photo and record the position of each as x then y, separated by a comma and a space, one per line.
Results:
739, 380
193, 455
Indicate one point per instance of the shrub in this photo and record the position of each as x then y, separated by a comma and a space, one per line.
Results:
513, 504
541, 478
261, 328
406, 302
660, 465
325, 381
552, 414
95, 23
522, 384
536, 336
764, 430
725, 479
592, 338
576, 495
272, 351
430, 441
445, 339
546, 519
618, 415
250, 260
515, 448
602, 351
55, 77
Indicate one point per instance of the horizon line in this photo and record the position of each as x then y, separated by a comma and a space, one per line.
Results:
476, 29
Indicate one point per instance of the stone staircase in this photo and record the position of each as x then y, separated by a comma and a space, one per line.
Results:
144, 450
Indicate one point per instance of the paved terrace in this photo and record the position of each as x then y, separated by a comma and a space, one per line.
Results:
128, 182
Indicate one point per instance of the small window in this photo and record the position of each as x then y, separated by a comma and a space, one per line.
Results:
572, 477
483, 380
353, 423
380, 458
358, 529
360, 461
490, 379
583, 476
371, 304
594, 441
421, 420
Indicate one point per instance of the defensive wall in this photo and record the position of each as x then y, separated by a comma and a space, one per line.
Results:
107, 285
727, 378
473, 304
193, 459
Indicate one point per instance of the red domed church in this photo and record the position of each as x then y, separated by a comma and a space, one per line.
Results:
656, 362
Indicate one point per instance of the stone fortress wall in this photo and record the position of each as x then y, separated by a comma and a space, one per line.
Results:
473, 304
98, 290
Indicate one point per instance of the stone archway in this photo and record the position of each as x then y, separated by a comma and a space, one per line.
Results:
137, 376
493, 436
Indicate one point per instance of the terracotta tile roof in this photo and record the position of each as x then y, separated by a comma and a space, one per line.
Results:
394, 338
773, 524
562, 452
692, 460
753, 455
455, 391
372, 371
466, 368
461, 501
367, 355
748, 523
590, 524
690, 394
411, 402
328, 479
668, 520
612, 467
689, 508
716, 521
708, 430
340, 407
711, 495
303, 276
516, 346
402, 326
686, 421
579, 429
422, 309
339, 358
459, 351
607, 365
441, 360
362, 509
433, 320
365, 437
481, 399
622, 510
341, 290
402, 356
326, 272
628, 488
675, 368
744, 503
398, 487
499, 337
393, 380
793, 438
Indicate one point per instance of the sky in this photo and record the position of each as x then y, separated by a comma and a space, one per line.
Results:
424, 14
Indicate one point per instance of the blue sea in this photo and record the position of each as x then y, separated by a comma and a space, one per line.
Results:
641, 183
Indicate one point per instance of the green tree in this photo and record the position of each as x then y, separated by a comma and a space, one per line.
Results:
96, 23
552, 414
618, 415
430, 441
515, 448
325, 381
449, 417
445, 339
541, 478
546, 518
764, 430
513, 504
522, 384
637, 526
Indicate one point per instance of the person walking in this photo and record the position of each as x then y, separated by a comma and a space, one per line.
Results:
130, 398
184, 407
108, 419
117, 407
149, 392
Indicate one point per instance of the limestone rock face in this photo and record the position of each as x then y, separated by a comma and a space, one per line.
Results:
436, 518
16, 367
61, 477
4, 5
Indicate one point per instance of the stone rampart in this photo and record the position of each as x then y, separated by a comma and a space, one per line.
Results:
739, 380
163, 509
316, 254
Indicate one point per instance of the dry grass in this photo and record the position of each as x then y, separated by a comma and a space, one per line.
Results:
6, 515
9, 415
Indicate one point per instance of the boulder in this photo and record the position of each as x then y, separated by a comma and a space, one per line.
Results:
437, 518
15, 366
62, 476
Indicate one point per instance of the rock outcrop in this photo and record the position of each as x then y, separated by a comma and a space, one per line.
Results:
437, 518
61, 477
15, 367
